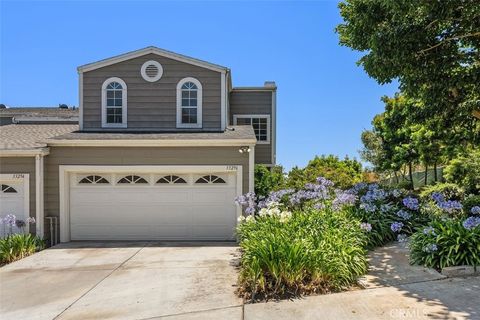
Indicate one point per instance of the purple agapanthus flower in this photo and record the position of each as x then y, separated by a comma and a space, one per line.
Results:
325, 182
471, 223
359, 187
402, 237
10, 220
430, 248
396, 193
368, 207
429, 231
437, 197
396, 226
475, 210
343, 198
366, 226
450, 206
247, 200
404, 214
411, 203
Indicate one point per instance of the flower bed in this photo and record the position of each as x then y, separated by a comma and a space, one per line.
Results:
16, 246
315, 239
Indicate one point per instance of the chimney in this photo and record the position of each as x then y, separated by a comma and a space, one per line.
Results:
270, 84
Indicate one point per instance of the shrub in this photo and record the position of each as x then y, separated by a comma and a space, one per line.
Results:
307, 251
343, 172
445, 243
469, 203
268, 180
465, 171
17, 246
450, 191
391, 214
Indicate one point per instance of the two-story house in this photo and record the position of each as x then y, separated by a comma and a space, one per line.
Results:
162, 147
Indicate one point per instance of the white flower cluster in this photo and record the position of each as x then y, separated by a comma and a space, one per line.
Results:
272, 210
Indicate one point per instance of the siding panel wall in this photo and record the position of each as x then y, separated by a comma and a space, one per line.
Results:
254, 102
133, 156
151, 105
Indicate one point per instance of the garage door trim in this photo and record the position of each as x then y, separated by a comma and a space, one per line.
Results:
66, 170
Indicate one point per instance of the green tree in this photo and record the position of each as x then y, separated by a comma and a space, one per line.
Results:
431, 48
268, 179
344, 173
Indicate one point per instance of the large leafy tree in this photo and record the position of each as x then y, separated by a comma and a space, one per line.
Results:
430, 47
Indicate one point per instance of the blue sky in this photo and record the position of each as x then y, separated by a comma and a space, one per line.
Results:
324, 99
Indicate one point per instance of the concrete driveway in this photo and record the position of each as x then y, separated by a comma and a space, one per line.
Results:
122, 281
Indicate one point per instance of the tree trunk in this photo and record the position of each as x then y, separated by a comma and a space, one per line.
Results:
396, 176
410, 174
426, 174
435, 176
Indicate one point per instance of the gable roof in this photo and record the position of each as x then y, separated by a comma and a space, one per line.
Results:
148, 50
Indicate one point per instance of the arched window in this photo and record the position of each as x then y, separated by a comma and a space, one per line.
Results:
8, 189
114, 103
210, 179
189, 103
171, 180
133, 179
93, 179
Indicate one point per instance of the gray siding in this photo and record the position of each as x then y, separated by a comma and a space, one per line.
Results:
11, 165
134, 156
151, 106
254, 102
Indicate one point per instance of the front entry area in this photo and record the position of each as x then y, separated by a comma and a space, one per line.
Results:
14, 200
150, 203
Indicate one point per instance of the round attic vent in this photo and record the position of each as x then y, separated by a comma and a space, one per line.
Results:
151, 71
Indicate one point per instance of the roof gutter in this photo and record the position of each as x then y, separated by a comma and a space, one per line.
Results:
25, 152
152, 143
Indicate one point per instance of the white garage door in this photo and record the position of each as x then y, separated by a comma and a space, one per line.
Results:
13, 200
139, 206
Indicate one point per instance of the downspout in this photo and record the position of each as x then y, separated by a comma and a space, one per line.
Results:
39, 206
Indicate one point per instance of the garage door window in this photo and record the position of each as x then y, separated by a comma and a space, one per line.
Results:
93, 179
8, 189
132, 179
171, 179
210, 179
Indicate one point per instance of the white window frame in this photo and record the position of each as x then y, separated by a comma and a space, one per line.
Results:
199, 103
252, 116
124, 104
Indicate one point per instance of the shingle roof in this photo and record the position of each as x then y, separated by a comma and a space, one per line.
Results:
30, 136
232, 133
34, 136
39, 112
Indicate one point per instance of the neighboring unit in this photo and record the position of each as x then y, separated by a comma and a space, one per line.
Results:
162, 146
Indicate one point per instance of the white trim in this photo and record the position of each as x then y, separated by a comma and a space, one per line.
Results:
153, 143
143, 70
249, 116
149, 50
24, 152
124, 104
251, 169
80, 100
26, 192
64, 182
223, 101
199, 103
274, 127
39, 195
